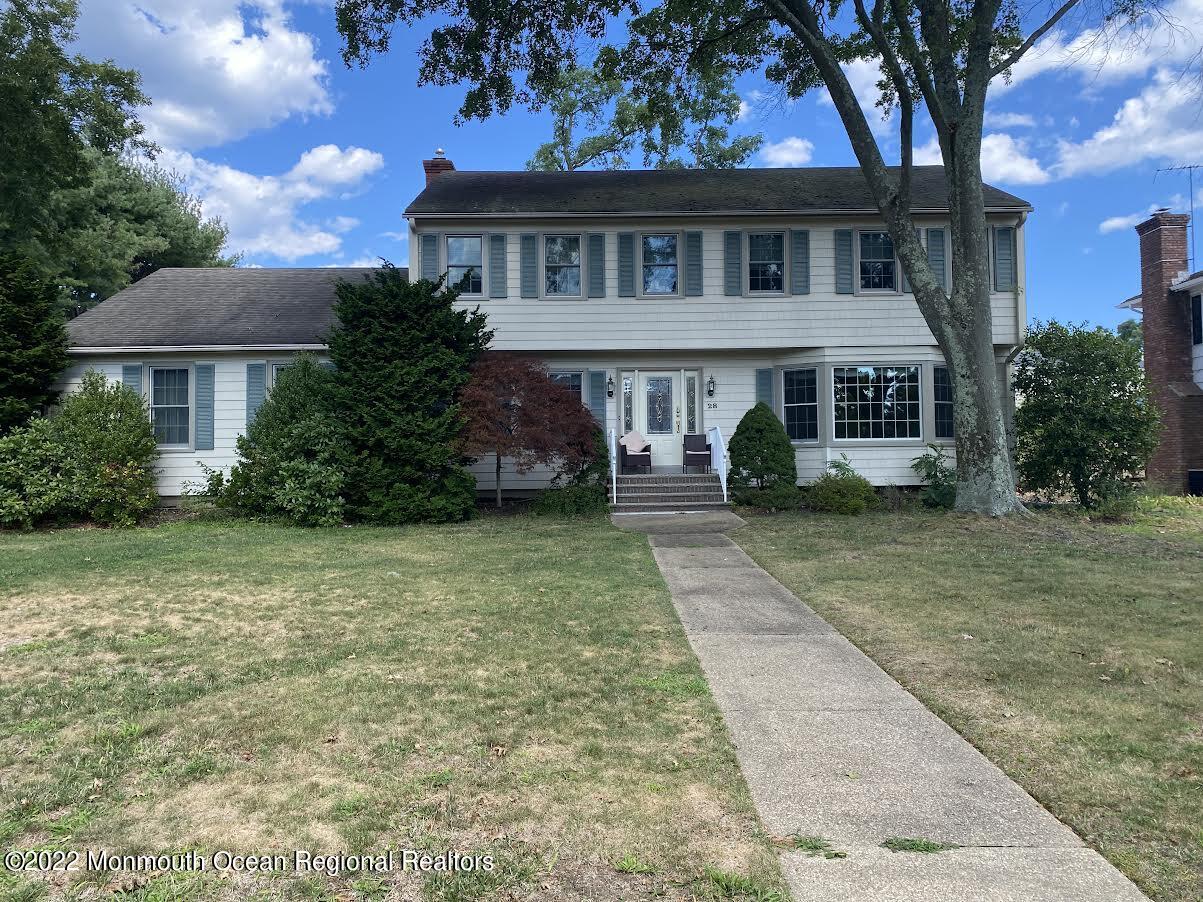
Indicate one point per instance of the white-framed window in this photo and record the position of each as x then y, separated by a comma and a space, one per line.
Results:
465, 263
275, 369
659, 263
562, 266
800, 404
877, 265
571, 379
766, 262
171, 405
942, 401
876, 402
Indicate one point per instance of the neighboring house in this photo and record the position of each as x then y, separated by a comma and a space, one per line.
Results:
1171, 307
672, 300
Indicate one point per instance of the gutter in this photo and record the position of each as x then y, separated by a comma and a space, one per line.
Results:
177, 349
665, 214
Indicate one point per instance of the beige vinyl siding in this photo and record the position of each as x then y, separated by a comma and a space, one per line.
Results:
712, 320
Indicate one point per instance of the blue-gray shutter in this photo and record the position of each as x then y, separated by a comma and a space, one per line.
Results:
428, 245
937, 256
906, 283
626, 264
256, 388
131, 375
843, 261
1004, 258
497, 265
204, 406
528, 265
799, 261
764, 387
693, 264
597, 394
733, 274
597, 264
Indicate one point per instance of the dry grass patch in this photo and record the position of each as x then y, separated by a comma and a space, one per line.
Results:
517, 686
1069, 652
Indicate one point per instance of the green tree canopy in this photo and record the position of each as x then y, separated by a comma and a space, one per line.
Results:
127, 220
33, 342
1131, 331
74, 200
54, 108
931, 54
1087, 420
596, 122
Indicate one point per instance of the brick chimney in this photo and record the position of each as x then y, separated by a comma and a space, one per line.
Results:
436, 167
1167, 347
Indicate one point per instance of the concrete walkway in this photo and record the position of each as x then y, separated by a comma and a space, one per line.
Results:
832, 747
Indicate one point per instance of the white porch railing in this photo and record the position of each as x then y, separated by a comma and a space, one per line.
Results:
718, 456
612, 444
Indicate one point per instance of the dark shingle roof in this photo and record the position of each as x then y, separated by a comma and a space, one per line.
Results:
215, 307
838, 189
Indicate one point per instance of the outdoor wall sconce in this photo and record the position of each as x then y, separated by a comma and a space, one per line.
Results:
710, 387
609, 386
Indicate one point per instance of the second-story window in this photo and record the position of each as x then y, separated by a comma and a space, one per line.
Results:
465, 257
562, 265
659, 264
878, 270
766, 261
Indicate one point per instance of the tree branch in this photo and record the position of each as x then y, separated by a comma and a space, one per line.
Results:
902, 87
909, 48
1013, 57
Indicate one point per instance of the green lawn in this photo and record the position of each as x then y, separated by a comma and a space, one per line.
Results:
514, 686
1070, 653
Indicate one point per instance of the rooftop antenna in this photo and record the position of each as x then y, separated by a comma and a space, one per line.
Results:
1189, 169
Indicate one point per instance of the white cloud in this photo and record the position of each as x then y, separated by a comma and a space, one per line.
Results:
929, 154
1004, 159
215, 69
263, 211
863, 75
1132, 220
1162, 123
1010, 120
790, 151
745, 111
1165, 36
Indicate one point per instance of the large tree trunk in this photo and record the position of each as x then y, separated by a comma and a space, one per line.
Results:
985, 474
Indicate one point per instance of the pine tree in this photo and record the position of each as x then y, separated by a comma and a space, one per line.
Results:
33, 342
402, 352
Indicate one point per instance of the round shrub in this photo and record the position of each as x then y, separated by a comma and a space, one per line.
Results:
763, 469
841, 490
290, 467
93, 460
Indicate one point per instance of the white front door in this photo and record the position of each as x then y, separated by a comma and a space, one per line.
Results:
659, 401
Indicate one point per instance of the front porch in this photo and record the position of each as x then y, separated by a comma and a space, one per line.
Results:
667, 492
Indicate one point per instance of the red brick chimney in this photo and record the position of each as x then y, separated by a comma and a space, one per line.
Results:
1167, 346
436, 167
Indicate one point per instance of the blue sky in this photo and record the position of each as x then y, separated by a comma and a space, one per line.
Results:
311, 164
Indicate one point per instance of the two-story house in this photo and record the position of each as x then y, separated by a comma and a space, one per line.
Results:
672, 300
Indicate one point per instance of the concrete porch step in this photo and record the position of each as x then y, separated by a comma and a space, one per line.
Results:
652, 507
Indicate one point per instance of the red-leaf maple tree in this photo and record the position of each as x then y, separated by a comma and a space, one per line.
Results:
513, 409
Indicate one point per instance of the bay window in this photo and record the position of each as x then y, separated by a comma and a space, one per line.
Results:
876, 402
